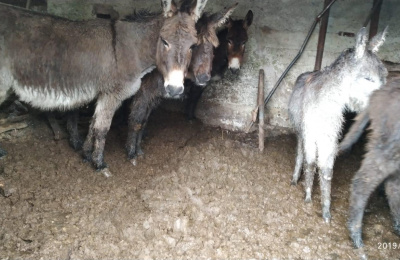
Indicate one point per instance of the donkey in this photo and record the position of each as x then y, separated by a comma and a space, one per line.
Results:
53, 63
317, 104
381, 163
228, 54
152, 91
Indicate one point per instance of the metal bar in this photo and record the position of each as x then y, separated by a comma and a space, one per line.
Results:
28, 4
370, 13
260, 102
373, 27
300, 51
321, 38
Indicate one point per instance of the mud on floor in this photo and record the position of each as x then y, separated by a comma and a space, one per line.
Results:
198, 192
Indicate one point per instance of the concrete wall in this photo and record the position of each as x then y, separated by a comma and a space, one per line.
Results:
277, 33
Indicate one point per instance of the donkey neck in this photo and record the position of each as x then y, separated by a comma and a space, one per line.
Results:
136, 45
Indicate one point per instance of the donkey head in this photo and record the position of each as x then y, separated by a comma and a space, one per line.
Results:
177, 39
237, 38
368, 73
201, 63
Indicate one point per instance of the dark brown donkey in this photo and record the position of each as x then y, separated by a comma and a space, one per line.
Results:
229, 54
151, 90
53, 63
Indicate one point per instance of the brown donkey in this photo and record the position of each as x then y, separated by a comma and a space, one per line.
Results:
151, 90
53, 63
229, 54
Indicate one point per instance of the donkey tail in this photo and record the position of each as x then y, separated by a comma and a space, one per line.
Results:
355, 131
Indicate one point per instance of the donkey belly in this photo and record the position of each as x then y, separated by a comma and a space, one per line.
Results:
51, 98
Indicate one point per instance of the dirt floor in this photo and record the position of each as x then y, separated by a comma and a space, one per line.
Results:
198, 192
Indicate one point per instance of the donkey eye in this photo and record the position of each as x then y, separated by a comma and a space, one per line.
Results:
230, 42
164, 42
369, 79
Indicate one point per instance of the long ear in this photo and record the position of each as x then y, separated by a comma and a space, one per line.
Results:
220, 18
376, 42
169, 8
198, 9
361, 43
248, 20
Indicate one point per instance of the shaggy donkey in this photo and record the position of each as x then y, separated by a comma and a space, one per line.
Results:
53, 63
317, 104
228, 54
151, 90
382, 161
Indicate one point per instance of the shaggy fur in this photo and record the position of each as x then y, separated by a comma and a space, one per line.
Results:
151, 91
54, 63
229, 52
381, 162
317, 104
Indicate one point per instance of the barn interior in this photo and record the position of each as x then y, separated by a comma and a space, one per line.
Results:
202, 189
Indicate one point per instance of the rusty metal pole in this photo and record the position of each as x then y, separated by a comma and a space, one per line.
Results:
373, 27
321, 37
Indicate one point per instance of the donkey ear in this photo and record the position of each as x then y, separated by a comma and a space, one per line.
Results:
376, 42
361, 43
248, 20
198, 9
169, 8
221, 17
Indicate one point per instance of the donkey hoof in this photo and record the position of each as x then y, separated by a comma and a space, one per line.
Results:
2, 153
396, 227
356, 238
327, 219
133, 161
76, 144
106, 172
139, 152
293, 183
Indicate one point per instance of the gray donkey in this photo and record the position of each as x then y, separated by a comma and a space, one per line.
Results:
382, 161
53, 63
317, 104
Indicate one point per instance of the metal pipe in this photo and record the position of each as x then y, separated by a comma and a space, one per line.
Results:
300, 52
370, 13
321, 38
376, 9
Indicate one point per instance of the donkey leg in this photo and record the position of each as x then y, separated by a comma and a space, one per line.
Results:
326, 159
139, 150
310, 153
195, 93
139, 110
104, 112
88, 144
392, 188
365, 181
299, 161
75, 140
2, 152
4, 94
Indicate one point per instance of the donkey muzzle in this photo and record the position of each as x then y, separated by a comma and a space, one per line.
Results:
202, 79
174, 91
234, 70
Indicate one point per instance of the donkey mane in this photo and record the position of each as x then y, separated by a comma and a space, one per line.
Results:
141, 16
204, 32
